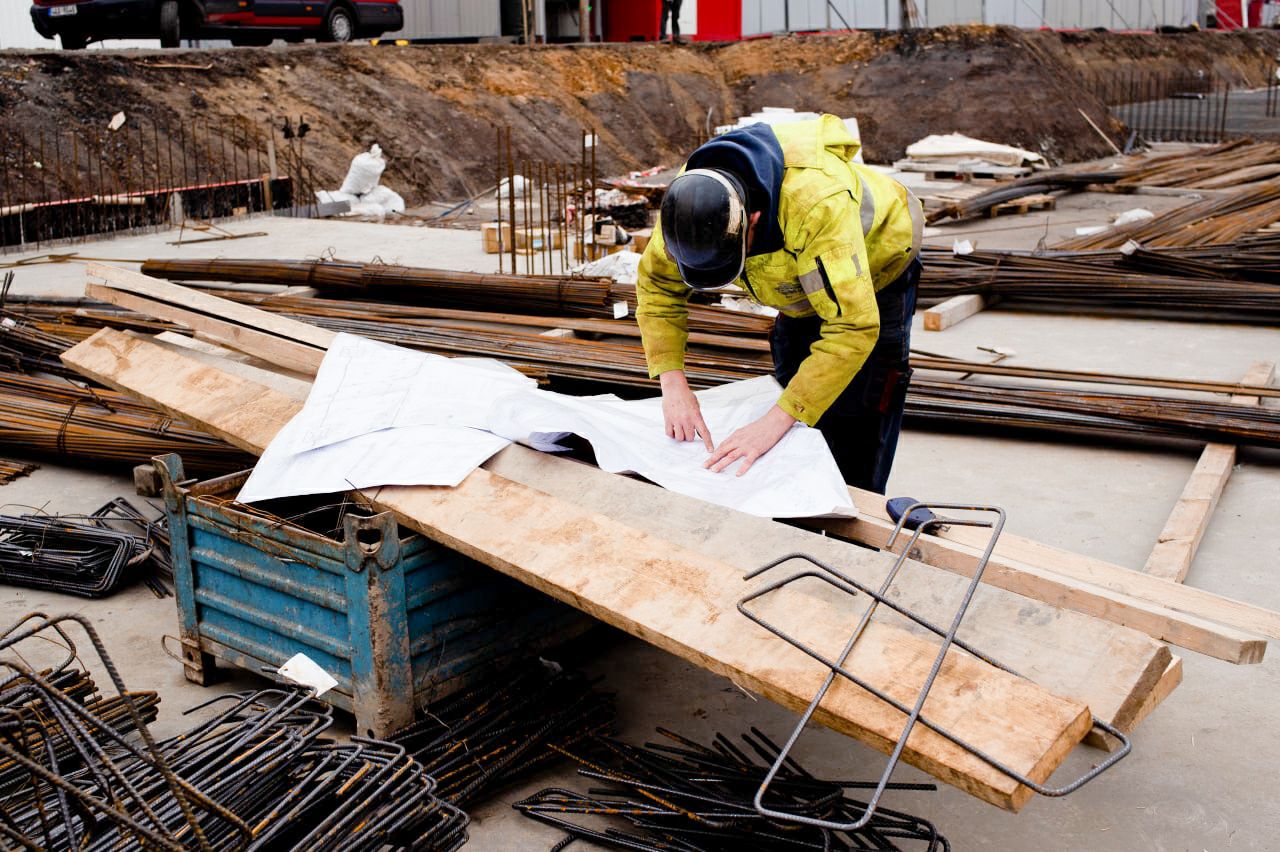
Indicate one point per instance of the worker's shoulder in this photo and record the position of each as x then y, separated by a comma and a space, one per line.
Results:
805, 188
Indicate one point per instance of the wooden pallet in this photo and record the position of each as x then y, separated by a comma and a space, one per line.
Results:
1025, 205
953, 171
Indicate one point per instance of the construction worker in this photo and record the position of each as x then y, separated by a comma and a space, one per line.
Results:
786, 214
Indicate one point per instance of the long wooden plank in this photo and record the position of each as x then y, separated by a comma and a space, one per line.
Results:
285, 352
1111, 668
209, 305
1178, 542
953, 311
676, 598
958, 549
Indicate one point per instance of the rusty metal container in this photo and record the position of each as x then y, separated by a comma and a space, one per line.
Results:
398, 620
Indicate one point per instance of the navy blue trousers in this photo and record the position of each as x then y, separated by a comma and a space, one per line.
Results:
863, 424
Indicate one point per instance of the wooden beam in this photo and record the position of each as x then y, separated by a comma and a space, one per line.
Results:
953, 311
1168, 682
289, 354
1178, 542
1109, 667
673, 597
1033, 579
204, 303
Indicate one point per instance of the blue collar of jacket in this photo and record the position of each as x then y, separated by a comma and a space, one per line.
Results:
755, 157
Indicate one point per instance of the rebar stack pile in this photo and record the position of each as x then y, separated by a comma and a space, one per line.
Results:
55, 418
11, 470
537, 295
505, 728
1143, 282
1210, 221
687, 795
257, 775
1230, 164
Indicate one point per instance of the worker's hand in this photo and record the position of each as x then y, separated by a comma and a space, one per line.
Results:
681, 413
751, 441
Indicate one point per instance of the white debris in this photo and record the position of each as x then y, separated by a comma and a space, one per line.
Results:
1137, 214
1090, 230
622, 266
388, 199
367, 198
365, 172
952, 147
962, 247
746, 306
116, 122
520, 184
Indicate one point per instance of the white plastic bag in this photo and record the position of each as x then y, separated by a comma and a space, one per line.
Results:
366, 169
388, 199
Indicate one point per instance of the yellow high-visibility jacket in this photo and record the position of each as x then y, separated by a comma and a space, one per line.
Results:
848, 231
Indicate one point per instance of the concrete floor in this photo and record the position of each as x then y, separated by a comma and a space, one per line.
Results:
1203, 772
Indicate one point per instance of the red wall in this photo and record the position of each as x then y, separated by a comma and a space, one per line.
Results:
631, 20
719, 20
1231, 14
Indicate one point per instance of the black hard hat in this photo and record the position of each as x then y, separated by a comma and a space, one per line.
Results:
704, 227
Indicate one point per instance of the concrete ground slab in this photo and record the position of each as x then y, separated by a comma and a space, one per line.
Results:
1202, 773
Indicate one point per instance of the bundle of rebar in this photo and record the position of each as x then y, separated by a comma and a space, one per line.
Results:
1209, 221
1230, 164
11, 470
1144, 282
58, 419
443, 288
505, 728
257, 775
687, 795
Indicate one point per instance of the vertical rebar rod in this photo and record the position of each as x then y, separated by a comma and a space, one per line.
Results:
497, 192
511, 201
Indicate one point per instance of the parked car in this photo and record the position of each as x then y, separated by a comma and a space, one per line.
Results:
243, 22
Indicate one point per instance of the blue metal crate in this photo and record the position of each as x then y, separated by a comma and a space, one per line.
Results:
395, 618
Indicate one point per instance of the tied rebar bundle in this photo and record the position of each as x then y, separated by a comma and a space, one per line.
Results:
691, 796
504, 728
258, 774
1229, 165
55, 418
446, 288
1138, 282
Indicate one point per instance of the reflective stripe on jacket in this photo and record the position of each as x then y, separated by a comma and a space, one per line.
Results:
848, 231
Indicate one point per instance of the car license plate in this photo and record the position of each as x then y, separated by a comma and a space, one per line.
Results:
62, 11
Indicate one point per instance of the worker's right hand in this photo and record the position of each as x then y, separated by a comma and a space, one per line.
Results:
681, 413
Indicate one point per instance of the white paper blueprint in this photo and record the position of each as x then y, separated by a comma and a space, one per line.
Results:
382, 415
797, 478
364, 386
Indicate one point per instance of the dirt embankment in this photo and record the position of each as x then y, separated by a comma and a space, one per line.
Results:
434, 109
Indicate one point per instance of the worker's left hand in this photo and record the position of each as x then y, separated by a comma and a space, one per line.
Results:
751, 441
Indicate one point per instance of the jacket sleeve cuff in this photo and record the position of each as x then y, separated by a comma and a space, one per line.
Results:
791, 403
660, 364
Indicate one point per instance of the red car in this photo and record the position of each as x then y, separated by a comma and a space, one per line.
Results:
244, 22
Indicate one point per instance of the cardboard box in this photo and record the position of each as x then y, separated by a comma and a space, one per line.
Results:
537, 239
495, 240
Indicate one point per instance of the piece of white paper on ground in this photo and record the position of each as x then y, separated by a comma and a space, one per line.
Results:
303, 670
382, 415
